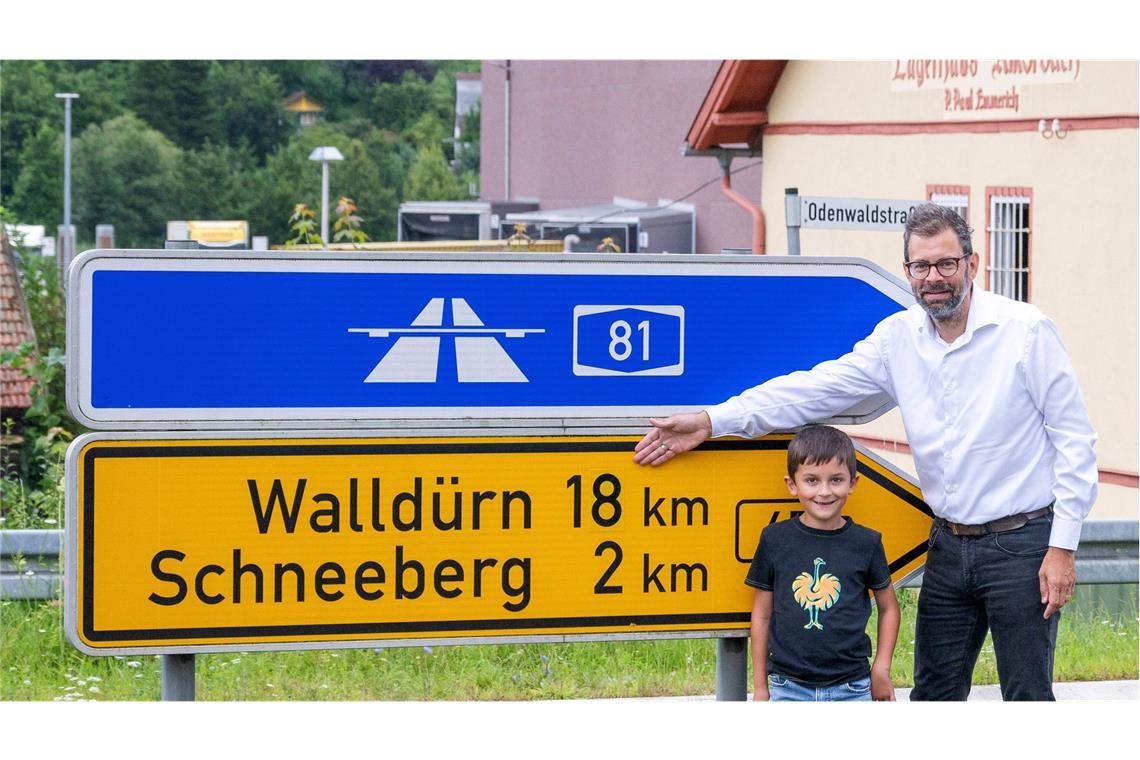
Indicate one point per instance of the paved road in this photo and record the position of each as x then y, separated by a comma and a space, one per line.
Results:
1113, 691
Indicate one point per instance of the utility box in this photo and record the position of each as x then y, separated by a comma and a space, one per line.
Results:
630, 226
228, 234
455, 220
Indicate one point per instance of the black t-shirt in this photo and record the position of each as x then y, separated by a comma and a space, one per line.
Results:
820, 606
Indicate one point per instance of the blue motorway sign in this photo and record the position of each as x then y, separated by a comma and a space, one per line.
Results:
214, 339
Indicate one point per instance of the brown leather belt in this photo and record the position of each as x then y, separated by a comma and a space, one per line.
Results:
1013, 522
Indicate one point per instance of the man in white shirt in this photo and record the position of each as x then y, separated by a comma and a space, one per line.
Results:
1001, 441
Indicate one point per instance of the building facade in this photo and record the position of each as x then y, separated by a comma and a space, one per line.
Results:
1041, 156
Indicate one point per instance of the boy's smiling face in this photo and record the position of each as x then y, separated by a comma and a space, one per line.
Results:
822, 489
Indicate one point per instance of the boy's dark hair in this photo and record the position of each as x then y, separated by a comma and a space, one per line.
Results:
818, 444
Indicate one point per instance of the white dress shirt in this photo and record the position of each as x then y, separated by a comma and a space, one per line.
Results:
995, 420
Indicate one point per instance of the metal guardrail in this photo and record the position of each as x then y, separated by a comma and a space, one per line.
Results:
30, 559
30, 565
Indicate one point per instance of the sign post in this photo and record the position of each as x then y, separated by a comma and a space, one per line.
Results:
792, 219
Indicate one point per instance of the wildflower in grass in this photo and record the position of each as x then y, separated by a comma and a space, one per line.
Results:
96, 679
427, 649
27, 682
49, 521
133, 664
94, 690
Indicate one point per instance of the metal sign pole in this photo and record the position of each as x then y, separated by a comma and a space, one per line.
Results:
792, 219
178, 678
732, 670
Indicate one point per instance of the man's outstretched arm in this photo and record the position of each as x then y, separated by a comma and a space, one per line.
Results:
782, 403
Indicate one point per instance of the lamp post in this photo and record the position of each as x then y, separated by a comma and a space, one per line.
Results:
324, 155
66, 249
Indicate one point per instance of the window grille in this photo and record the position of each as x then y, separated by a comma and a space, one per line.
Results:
960, 202
1008, 231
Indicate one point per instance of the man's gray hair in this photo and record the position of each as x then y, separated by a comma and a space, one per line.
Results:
929, 219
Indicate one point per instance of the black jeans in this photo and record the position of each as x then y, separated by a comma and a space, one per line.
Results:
972, 584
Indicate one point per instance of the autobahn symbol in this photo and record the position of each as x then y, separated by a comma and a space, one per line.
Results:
414, 357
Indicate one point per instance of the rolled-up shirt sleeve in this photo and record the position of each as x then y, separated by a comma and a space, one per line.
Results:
1052, 384
800, 397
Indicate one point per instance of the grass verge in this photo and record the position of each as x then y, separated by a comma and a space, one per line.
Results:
37, 664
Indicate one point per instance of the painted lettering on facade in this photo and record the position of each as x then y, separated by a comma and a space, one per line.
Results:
980, 88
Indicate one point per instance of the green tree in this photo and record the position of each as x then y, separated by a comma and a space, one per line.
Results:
174, 98
37, 196
211, 182
427, 130
249, 100
397, 106
429, 179
27, 102
125, 174
102, 88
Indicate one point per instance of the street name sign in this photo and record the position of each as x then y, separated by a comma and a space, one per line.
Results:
827, 213
170, 340
252, 542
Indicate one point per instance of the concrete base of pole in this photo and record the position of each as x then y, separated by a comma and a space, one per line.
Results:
178, 678
732, 670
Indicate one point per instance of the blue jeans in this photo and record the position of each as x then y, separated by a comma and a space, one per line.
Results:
972, 584
782, 689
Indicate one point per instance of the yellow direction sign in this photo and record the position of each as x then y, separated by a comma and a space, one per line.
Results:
208, 544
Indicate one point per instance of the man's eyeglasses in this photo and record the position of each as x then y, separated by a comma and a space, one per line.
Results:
920, 270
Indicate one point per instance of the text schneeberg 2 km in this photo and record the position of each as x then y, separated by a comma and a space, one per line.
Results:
277, 507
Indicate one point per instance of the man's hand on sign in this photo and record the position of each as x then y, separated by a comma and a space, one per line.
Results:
671, 436
1058, 576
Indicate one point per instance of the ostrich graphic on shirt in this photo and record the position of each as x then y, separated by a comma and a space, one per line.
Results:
816, 593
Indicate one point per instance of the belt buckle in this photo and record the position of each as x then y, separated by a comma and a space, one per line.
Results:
958, 529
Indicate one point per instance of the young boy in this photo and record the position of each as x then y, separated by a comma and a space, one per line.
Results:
811, 575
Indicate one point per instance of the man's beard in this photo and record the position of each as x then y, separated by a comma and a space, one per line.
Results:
943, 310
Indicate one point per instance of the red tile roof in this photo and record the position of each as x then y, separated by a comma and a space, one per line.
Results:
15, 328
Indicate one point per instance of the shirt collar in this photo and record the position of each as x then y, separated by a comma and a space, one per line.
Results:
982, 312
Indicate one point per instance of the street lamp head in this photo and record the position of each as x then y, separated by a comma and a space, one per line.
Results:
326, 153
67, 95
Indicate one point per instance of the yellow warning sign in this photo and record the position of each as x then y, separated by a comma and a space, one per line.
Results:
294, 543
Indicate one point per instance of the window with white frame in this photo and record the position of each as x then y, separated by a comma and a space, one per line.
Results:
1008, 267
959, 202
